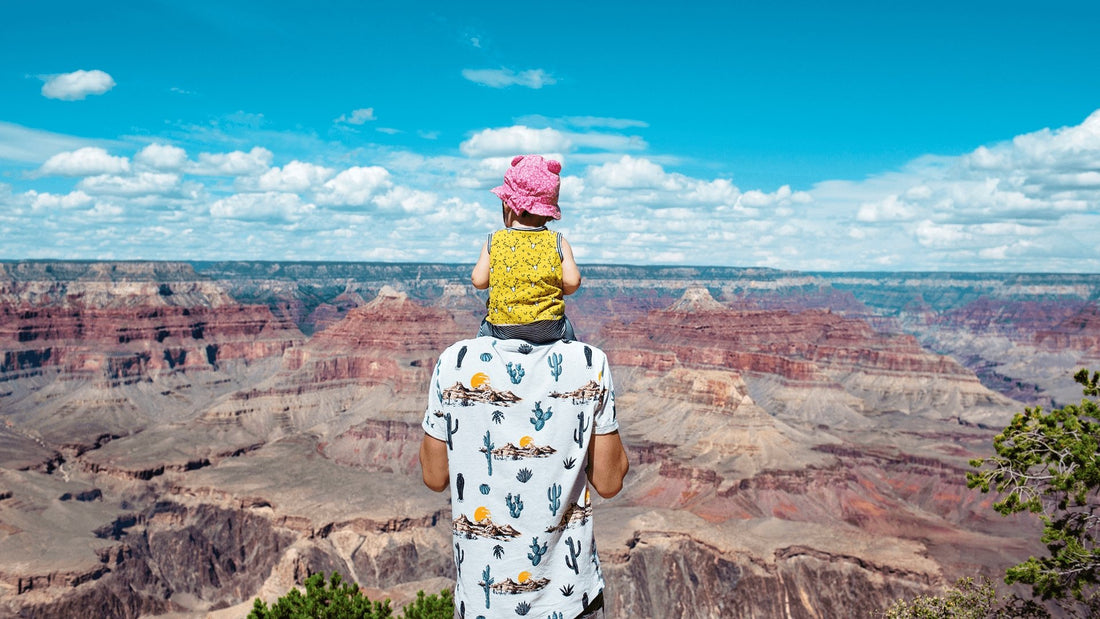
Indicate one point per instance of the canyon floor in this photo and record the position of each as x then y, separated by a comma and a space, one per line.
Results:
177, 439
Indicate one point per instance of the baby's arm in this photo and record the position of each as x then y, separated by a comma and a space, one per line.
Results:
480, 277
570, 274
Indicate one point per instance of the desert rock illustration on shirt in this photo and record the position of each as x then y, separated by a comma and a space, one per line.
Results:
481, 392
482, 526
526, 449
522, 584
574, 515
590, 392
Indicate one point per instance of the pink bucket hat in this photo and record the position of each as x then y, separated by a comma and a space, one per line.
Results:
531, 185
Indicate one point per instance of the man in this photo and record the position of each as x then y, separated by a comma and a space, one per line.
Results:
519, 432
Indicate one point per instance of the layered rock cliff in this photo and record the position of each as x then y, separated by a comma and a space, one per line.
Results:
798, 441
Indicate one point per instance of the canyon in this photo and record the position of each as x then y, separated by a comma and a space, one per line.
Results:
179, 438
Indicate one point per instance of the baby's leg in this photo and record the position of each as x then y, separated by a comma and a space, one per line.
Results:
484, 329
567, 331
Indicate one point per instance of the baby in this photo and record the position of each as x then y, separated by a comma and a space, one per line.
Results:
527, 268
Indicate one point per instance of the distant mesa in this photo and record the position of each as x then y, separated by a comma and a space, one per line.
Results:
511, 586
485, 528
388, 293
590, 392
574, 516
484, 392
696, 299
511, 452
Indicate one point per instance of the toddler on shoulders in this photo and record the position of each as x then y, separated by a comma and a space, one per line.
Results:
528, 268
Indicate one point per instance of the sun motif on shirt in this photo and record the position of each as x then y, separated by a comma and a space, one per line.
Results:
479, 379
481, 513
523, 577
525, 441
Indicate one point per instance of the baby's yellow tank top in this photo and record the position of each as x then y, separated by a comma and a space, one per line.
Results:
525, 277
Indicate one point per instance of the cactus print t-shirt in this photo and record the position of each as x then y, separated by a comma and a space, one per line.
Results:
518, 419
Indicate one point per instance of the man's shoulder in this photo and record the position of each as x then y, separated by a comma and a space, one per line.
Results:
522, 347
461, 348
507, 349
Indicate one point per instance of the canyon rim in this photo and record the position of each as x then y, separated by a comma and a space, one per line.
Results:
179, 438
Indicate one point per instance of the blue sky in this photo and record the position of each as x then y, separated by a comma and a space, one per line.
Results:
810, 136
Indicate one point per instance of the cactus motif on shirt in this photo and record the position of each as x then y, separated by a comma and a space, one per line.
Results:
579, 433
574, 552
486, 581
515, 372
515, 506
488, 449
450, 431
537, 551
540, 416
554, 494
554, 361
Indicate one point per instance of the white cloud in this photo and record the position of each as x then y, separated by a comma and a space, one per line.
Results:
931, 234
890, 208
84, 161
503, 77
296, 176
628, 173
77, 85
161, 157
75, 199
408, 200
358, 117
514, 140
355, 186
261, 206
1024, 204
236, 163
106, 210
142, 183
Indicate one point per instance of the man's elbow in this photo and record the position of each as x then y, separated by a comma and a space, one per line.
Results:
608, 491
436, 485
611, 485
434, 478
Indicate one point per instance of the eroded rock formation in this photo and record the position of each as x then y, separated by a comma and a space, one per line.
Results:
798, 441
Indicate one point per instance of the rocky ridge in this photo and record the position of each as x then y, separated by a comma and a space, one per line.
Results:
790, 443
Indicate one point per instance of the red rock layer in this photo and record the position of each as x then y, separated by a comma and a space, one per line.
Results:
1081, 331
1016, 319
796, 346
391, 339
132, 341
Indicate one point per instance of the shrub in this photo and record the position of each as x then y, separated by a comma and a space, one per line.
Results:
338, 600
966, 600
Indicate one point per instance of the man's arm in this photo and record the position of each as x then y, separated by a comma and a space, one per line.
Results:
570, 274
480, 276
607, 464
433, 463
